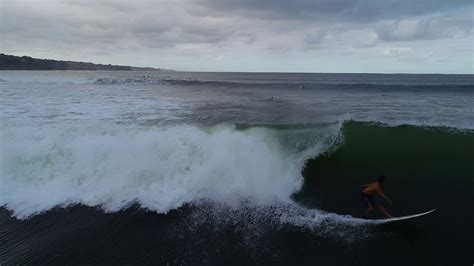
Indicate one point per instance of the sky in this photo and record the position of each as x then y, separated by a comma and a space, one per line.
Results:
371, 36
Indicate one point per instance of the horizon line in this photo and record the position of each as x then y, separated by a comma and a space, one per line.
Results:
155, 68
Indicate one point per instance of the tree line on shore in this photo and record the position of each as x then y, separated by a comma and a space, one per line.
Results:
11, 62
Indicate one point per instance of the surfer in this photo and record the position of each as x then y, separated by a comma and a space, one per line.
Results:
369, 193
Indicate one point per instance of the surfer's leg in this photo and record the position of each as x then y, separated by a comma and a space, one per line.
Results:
370, 207
384, 211
368, 211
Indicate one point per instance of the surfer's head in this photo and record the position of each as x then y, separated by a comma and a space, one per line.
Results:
381, 178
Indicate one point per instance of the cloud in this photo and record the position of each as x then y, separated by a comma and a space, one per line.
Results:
396, 51
332, 10
73, 29
426, 28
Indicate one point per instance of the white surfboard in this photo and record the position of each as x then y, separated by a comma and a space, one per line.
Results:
403, 217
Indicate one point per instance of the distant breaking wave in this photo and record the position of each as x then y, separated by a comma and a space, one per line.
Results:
276, 85
114, 81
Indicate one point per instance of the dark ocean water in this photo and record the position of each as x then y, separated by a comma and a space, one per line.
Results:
189, 168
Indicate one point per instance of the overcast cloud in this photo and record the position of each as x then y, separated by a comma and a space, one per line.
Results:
247, 35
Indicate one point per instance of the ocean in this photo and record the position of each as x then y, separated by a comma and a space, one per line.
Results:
186, 168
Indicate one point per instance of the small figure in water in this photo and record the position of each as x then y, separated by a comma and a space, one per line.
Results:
369, 193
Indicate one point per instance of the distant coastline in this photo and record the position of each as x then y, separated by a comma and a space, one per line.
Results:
11, 62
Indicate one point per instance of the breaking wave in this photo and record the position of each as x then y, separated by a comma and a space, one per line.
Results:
159, 168
244, 168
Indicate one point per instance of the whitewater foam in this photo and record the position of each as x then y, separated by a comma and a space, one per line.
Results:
259, 220
159, 168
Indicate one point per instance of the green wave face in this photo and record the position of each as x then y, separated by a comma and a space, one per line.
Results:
426, 168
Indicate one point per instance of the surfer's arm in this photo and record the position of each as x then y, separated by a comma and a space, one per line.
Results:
366, 185
380, 192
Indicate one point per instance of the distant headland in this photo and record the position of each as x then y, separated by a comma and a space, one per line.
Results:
11, 62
